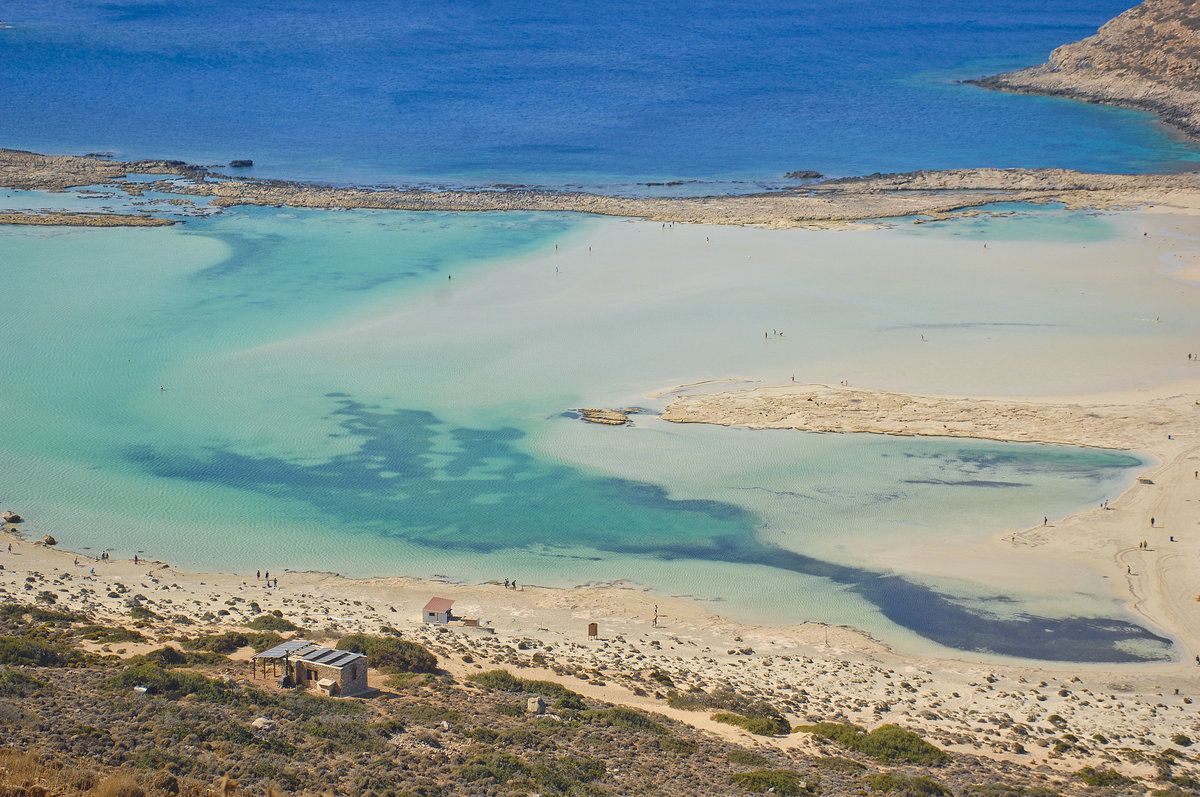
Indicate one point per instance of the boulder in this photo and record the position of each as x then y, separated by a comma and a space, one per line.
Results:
9, 516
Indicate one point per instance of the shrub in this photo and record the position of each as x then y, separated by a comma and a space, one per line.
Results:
670, 744
36, 653
46, 596
775, 781
142, 613
722, 700
839, 764
346, 734
1182, 739
1102, 777
890, 744
390, 654
893, 744
173, 683
230, 641
105, 634
906, 785
748, 759
1005, 790
269, 622
565, 773
626, 718
502, 680
17, 612
498, 766
758, 725
14, 683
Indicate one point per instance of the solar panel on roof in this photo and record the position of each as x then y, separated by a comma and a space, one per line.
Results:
285, 649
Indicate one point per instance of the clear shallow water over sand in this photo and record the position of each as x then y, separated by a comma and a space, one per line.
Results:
333, 401
723, 96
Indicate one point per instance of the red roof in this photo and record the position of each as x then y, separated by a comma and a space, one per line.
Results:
439, 605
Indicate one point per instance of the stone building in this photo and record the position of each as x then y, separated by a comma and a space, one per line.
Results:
311, 666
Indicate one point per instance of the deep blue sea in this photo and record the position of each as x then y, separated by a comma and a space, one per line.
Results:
725, 96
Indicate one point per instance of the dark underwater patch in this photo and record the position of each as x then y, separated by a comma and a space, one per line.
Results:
445, 496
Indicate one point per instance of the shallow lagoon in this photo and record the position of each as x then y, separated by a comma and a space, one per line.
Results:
382, 393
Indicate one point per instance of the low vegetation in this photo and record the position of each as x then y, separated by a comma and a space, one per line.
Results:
889, 744
272, 622
774, 781
504, 681
391, 655
1102, 777
758, 725
230, 641
907, 785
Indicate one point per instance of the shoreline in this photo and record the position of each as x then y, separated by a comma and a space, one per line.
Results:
1163, 422
840, 203
817, 672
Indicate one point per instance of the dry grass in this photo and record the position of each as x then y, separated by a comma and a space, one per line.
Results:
119, 784
23, 773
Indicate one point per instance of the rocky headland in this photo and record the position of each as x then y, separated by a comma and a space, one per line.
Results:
1147, 58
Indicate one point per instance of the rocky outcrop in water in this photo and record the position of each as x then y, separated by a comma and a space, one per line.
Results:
831, 203
1147, 58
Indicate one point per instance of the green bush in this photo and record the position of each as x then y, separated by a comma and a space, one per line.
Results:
1006, 790
758, 725
500, 767
1182, 739
502, 680
17, 612
14, 683
776, 781
37, 653
230, 641
748, 759
621, 717
722, 700
107, 635
838, 764
567, 772
906, 785
890, 744
893, 744
389, 654
344, 734
843, 733
1102, 777
271, 622
173, 684
670, 744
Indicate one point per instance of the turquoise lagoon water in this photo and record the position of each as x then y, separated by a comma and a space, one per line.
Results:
384, 393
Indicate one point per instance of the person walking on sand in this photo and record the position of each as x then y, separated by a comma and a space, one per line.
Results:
1045, 520
506, 583
257, 574
1151, 522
